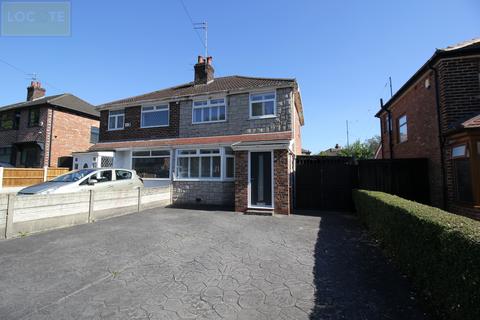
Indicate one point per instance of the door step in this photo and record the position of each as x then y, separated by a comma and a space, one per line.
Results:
259, 212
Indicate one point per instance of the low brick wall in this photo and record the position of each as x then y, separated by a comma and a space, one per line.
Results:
21, 215
217, 193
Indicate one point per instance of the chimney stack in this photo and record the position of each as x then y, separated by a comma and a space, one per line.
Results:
35, 91
204, 70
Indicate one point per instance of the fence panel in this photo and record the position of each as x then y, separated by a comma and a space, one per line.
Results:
326, 183
20, 177
406, 178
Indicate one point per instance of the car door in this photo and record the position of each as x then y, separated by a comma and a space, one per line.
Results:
104, 180
123, 180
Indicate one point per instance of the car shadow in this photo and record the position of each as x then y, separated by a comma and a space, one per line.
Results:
353, 279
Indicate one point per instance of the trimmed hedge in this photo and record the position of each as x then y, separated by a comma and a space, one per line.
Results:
438, 250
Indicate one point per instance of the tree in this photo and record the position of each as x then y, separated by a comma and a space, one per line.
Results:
359, 150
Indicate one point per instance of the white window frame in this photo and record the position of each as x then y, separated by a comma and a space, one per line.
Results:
232, 156
116, 120
156, 108
400, 126
249, 186
265, 100
209, 106
151, 156
197, 154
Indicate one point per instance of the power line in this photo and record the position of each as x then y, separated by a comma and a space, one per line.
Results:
194, 25
33, 76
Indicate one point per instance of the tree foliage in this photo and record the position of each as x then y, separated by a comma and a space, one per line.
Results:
361, 150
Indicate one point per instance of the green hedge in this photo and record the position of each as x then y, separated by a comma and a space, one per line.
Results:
439, 251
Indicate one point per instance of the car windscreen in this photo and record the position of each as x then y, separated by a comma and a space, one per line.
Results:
73, 176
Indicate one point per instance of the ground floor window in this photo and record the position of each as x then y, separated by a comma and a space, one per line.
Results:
153, 164
5, 154
205, 164
462, 173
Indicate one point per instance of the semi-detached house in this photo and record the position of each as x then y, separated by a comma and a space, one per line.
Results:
228, 141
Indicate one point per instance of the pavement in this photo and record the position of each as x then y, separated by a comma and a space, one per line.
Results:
185, 264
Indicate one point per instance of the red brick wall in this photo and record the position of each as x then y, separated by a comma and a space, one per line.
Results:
70, 133
241, 181
282, 181
419, 104
135, 132
297, 127
459, 84
282, 186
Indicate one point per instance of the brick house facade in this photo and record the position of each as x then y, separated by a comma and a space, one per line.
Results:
214, 139
430, 115
44, 131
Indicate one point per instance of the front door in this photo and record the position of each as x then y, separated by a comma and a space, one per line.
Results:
261, 179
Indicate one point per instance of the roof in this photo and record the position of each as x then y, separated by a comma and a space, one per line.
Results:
222, 84
460, 49
230, 139
472, 122
66, 101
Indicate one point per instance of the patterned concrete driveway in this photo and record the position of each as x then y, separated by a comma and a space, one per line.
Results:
184, 264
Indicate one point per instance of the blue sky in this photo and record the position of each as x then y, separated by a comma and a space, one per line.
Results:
341, 52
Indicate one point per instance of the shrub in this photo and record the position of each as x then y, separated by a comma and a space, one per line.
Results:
438, 250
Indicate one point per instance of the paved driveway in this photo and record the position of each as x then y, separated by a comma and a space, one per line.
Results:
173, 263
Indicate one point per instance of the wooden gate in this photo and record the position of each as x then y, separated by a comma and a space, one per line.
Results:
324, 183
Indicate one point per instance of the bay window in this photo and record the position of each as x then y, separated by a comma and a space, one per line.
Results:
152, 164
155, 116
205, 164
212, 110
262, 105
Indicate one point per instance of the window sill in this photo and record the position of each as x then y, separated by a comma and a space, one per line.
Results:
198, 179
208, 122
149, 127
262, 117
115, 129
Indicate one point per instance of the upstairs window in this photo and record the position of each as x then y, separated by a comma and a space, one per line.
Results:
262, 105
16, 121
94, 134
402, 129
213, 110
116, 119
33, 117
155, 116
6, 121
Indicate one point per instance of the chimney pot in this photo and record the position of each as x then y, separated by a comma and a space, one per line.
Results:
35, 91
204, 71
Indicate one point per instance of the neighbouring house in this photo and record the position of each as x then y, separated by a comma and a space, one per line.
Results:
332, 152
228, 141
436, 115
92, 159
44, 130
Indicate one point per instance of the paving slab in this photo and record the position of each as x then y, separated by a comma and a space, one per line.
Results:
186, 264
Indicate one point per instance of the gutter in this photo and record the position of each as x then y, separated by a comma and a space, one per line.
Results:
50, 143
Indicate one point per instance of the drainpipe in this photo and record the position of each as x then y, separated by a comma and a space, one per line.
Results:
441, 139
389, 127
50, 144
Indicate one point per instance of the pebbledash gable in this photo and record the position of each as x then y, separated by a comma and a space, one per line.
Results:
196, 135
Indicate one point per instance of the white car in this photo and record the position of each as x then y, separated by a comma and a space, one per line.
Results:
88, 179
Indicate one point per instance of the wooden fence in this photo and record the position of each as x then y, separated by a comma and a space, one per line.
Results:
326, 183
21, 177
